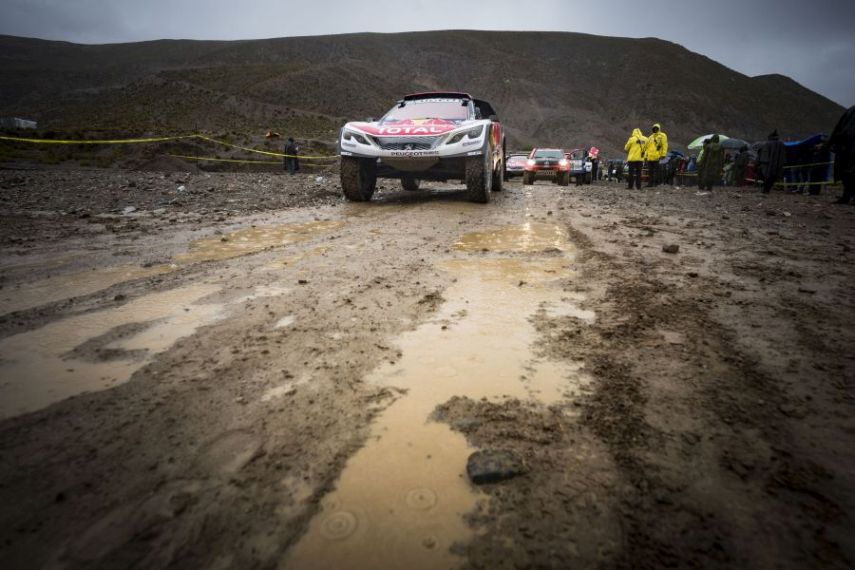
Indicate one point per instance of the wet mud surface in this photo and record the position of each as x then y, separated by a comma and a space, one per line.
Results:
298, 382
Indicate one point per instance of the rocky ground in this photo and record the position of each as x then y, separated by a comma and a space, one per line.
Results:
201, 370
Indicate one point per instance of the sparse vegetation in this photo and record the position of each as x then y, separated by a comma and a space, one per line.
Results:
308, 87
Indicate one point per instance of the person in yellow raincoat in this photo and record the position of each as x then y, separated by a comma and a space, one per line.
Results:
656, 148
634, 148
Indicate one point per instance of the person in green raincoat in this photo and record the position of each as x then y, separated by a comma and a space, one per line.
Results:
712, 163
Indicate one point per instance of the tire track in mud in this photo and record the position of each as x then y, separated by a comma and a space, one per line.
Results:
696, 431
478, 345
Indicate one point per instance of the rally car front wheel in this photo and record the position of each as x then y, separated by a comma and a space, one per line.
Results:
358, 178
479, 178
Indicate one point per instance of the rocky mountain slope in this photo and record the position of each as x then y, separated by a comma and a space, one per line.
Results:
550, 88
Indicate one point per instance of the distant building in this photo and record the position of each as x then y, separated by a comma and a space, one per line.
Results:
16, 123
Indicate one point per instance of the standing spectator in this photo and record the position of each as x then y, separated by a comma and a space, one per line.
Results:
798, 174
700, 163
292, 163
820, 159
728, 169
656, 148
615, 170
712, 163
770, 160
634, 148
682, 168
740, 166
842, 143
669, 165
594, 155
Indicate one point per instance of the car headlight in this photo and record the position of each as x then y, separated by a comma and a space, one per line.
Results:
531, 162
563, 162
348, 135
472, 133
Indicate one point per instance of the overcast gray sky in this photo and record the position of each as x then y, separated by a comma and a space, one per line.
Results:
812, 41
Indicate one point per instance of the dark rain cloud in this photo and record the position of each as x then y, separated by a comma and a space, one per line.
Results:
810, 41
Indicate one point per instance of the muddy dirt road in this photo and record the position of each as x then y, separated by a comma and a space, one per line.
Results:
244, 371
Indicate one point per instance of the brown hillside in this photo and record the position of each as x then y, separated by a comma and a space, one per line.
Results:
550, 88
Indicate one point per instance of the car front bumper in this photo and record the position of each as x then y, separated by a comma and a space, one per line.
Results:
545, 172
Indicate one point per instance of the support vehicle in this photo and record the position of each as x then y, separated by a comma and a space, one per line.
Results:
515, 164
547, 163
581, 166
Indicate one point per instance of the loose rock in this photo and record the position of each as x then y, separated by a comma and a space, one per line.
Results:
493, 465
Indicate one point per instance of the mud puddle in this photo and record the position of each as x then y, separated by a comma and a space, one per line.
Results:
531, 237
401, 499
52, 289
79, 354
253, 240
243, 242
100, 350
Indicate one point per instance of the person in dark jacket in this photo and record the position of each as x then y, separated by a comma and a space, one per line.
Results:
712, 163
818, 169
740, 166
770, 160
594, 157
842, 143
292, 163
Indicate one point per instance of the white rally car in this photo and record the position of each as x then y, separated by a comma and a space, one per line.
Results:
425, 136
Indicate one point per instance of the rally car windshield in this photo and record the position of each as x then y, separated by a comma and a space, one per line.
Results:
549, 154
448, 109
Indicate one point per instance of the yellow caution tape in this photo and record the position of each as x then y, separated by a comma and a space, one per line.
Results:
807, 165
266, 152
233, 160
162, 139
94, 141
785, 184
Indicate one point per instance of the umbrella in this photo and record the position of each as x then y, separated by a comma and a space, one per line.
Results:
733, 144
699, 142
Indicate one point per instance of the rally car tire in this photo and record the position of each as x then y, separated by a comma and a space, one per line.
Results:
358, 178
528, 179
479, 178
498, 176
410, 183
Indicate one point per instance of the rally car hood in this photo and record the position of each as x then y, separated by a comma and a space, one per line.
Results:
410, 127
